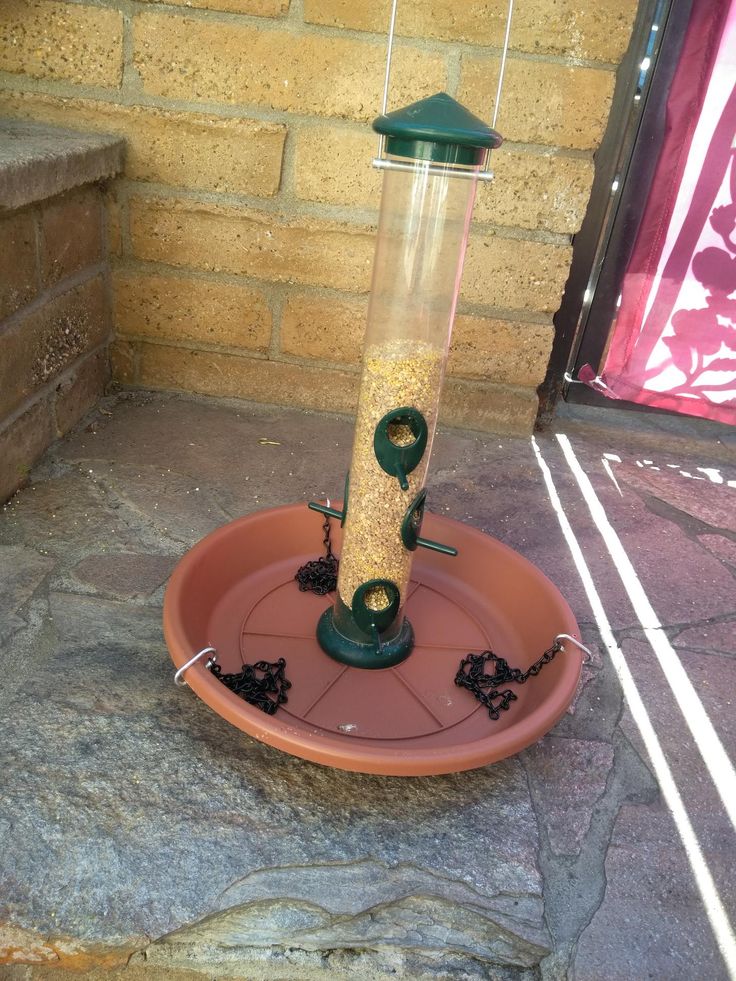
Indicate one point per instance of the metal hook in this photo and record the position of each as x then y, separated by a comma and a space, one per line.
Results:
382, 164
387, 77
583, 648
178, 677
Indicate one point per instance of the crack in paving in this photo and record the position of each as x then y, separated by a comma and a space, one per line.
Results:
688, 523
574, 886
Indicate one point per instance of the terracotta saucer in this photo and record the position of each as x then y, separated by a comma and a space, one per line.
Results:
235, 591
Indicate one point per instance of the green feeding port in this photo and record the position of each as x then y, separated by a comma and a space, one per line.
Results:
438, 129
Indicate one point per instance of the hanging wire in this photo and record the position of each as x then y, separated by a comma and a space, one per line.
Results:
387, 79
502, 69
380, 161
389, 51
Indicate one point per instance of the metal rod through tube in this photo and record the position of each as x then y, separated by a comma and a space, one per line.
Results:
435, 170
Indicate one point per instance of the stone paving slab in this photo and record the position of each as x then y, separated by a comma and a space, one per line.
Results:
651, 918
142, 835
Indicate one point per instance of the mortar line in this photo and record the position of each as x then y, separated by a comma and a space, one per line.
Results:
124, 98
288, 23
295, 13
52, 292
320, 364
48, 389
190, 344
277, 303
107, 276
145, 267
35, 211
205, 347
124, 208
347, 216
129, 73
453, 63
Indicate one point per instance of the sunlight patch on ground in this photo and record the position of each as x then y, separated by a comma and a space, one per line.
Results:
703, 879
696, 718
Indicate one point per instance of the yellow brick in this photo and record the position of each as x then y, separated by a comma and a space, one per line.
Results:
182, 58
482, 348
181, 149
232, 376
122, 361
71, 233
257, 8
544, 191
515, 274
50, 39
574, 28
488, 408
323, 327
78, 393
267, 246
22, 443
333, 166
47, 341
536, 191
18, 274
542, 102
477, 21
499, 351
181, 308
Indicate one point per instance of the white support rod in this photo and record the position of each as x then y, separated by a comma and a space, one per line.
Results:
485, 174
502, 69
381, 163
387, 79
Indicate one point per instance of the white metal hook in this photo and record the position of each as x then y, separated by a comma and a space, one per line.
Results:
380, 162
502, 69
179, 676
577, 643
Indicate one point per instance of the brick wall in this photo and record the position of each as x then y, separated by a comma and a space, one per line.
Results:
244, 222
54, 324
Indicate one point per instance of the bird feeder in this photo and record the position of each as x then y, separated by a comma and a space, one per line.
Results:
435, 150
379, 668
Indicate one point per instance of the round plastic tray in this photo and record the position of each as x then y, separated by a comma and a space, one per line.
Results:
235, 591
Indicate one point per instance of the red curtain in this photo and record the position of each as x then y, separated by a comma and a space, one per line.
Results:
674, 340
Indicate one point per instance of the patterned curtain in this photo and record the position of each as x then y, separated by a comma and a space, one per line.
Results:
673, 344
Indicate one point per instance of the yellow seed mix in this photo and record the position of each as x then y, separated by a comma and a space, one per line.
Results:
396, 373
377, 598
400, 433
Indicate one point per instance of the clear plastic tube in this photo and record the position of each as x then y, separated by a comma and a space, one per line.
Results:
422, 236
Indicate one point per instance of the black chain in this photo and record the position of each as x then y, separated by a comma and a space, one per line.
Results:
471, 675
262, 684
320, 575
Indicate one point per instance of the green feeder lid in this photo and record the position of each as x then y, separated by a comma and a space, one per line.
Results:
437, 129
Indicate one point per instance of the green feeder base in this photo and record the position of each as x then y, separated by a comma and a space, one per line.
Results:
359, 654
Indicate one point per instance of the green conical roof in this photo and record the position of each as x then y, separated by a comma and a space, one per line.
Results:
437, 128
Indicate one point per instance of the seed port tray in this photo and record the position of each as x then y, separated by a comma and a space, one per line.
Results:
235, 591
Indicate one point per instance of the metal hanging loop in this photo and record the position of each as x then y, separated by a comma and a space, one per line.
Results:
179, 676
381, 162
586, 650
